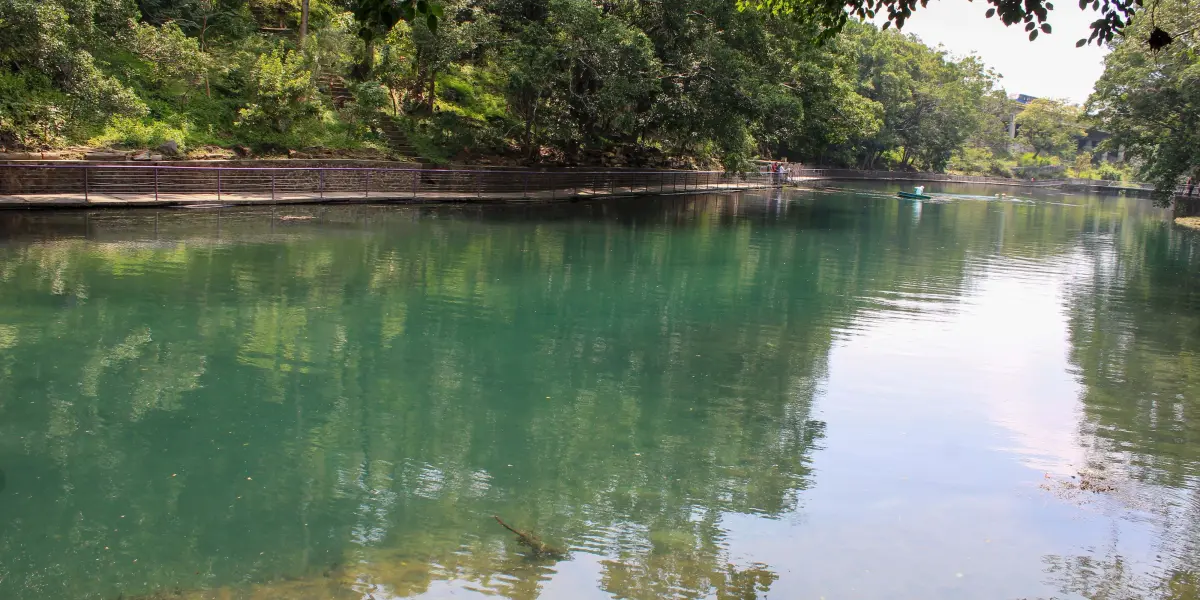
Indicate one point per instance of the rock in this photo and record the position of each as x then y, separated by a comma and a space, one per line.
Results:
169, 148
241, 151
141, 155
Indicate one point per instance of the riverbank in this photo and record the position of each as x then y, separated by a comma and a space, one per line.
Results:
197, 184
45, 185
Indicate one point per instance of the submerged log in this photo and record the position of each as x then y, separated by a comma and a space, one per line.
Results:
535, 544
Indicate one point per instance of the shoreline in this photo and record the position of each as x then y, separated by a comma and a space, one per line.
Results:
212, 184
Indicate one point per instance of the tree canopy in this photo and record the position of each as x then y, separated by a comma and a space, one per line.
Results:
1149, 99
671, 83
1049, 126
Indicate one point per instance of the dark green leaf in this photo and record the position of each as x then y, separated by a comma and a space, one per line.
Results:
1033, 35
1045, 28
1080, 43
432, 22
991, 12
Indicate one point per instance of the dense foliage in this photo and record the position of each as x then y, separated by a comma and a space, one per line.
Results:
569, 81
1149, 99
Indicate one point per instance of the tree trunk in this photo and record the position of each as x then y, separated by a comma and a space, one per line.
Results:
362, 71
528, 137
418, 88
432, 89
303, 20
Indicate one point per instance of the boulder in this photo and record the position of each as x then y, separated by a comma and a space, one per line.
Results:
169, 148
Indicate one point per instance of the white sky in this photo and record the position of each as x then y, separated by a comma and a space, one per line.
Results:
1048, 67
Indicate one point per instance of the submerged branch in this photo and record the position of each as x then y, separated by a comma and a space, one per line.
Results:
533, 542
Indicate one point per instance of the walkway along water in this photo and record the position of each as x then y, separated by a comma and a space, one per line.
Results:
70, 185
800, 174
57, 185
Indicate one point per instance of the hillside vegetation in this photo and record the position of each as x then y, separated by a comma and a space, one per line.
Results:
671, 82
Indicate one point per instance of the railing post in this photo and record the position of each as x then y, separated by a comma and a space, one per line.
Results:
218, 184
416, 179
525, 191
321, 183
272, 185
661, 181
367, 187
553, 192
156, 184
85, 183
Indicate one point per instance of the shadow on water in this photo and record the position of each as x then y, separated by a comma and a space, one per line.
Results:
233, 224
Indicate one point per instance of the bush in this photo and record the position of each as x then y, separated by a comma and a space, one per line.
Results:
1108, 172
370, 100
32, 114
282, 95
1029, 160
133, 132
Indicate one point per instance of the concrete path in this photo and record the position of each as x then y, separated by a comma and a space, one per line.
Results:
203, 200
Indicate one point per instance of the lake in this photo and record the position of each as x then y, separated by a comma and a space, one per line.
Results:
800, 394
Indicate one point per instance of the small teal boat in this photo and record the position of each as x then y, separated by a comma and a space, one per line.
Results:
918, 193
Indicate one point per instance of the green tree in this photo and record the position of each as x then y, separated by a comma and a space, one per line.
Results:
1049, 126
1034, 15
49, 48
281, 95
1149, 100
173, 57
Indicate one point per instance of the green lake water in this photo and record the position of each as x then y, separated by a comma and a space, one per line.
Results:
834, 394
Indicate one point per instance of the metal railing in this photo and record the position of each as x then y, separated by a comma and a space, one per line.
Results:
847, 174
1180, 190
175, 183
915, 176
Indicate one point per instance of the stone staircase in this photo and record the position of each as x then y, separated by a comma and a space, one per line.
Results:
396, 139
336, 88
